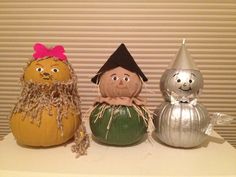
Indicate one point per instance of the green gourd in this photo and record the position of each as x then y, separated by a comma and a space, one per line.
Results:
118, 125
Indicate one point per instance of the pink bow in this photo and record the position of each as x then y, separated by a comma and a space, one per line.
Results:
41, 51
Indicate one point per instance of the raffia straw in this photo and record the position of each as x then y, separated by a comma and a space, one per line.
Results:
141, 114
89, 111
116, 111
37, 97
81, 141
128, 112
149, 113
110, 120
103, 109
99, 114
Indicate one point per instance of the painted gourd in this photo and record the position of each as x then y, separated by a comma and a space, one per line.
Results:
181, 121
47, 133
119, 116
183, 83
119, 125
181, 125
47, 113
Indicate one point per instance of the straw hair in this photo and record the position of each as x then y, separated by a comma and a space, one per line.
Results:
36, 97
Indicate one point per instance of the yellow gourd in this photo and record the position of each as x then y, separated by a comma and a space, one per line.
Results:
47, 133
48, 110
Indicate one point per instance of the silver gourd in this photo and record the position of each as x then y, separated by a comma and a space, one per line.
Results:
180, 121
181, 125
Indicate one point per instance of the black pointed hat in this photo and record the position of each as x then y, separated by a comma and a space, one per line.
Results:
121, 57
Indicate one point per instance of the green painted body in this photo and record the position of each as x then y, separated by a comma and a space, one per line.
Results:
126, 125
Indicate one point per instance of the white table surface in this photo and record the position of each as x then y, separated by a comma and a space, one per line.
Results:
149, 158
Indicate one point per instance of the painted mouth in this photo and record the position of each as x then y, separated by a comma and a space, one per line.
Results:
185, 90
46, 78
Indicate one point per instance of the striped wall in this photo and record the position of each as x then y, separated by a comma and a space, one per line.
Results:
152, 30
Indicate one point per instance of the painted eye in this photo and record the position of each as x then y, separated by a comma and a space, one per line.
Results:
39, 69
178, 80
190, 81
115, 78
55, 70
126, 78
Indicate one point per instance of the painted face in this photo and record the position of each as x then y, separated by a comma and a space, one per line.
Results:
47, 71
120, 82
182, 82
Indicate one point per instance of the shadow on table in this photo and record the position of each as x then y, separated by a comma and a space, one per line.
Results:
144, 138
210, 139
67, 143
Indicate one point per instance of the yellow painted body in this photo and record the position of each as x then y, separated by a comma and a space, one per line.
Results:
47, 132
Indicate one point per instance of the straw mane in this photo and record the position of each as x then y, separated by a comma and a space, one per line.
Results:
36, 97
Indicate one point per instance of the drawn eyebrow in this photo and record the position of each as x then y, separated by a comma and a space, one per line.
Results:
39, 65
194, 75
113, 74
126, 74
175, 74
54, 65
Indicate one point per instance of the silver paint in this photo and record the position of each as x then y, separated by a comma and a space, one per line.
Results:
181, 82
181, 125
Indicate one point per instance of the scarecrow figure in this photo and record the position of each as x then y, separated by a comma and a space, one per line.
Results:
119, 116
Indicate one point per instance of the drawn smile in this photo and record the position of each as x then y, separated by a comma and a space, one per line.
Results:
185, 90
47, 78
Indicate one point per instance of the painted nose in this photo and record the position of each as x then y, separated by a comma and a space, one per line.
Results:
120, 83
46, 74
185, 84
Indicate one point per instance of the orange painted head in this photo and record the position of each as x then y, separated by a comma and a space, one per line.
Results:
47, 70
48, 66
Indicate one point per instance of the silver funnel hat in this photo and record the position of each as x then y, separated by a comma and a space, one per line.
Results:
183, 79
183, 59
